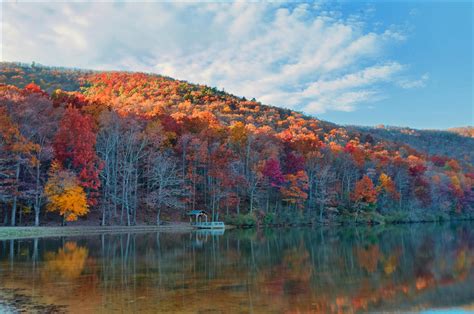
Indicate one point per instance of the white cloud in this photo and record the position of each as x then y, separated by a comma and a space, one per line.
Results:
300, 56
410, 83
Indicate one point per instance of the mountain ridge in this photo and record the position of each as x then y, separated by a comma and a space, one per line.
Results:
401, 134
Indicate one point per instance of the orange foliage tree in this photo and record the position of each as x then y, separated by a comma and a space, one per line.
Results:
364, 192
64, 194
294, 191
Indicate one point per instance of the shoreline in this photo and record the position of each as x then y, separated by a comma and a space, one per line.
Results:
7, 233
31, 232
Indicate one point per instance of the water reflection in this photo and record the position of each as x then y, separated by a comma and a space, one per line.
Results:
68, 262
277, 270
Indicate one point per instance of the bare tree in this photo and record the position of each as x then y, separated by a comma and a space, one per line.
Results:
165, 183
108, 141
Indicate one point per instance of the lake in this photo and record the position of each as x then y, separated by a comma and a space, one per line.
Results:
339, 269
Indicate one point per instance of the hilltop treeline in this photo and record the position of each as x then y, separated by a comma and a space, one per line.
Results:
126, 148
455, 143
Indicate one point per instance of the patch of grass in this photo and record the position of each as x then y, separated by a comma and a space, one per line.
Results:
34, 232
241, 220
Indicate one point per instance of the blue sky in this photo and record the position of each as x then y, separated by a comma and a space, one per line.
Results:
404, 63
439, 43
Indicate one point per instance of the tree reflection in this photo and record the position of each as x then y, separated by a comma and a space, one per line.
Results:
326, 270
67, 263
368, 257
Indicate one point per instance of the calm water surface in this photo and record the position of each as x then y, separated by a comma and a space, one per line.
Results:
406, 268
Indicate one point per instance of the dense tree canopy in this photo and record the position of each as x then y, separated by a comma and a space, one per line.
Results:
139, 148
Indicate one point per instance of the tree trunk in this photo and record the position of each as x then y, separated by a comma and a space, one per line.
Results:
321, 209
37, 205
135, 199
15, 197
5, 218
37, 214
158, 220
238, 206
102, 223
251, 201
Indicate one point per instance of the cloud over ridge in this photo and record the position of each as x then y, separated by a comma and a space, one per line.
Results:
302, 56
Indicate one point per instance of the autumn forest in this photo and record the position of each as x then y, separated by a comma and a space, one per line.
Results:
119, 148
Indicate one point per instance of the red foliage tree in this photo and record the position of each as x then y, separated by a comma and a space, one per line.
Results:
272, 171
75, 100
422, 190
33, 88
293, 163
74, 148
357, 152
439, 161
416, 166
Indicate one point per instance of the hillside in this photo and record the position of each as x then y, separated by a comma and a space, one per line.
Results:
123, 147
452, 143
467, 131
455, 143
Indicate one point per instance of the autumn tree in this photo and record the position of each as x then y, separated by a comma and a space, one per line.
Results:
364, 195
74, 148
295, 190
321, 182
272, 171
17, 151
273, 179
65, 195
420, 186
37, 121
386, 190
222, 177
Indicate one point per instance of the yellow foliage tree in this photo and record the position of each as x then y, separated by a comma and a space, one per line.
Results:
364, 191
64, 194
238, 133
388, 186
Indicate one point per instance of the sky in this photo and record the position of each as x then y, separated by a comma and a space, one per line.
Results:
400, 63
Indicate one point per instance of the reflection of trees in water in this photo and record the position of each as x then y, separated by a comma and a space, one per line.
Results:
368, 257
326, 270
356, 269
56, 270
67, 263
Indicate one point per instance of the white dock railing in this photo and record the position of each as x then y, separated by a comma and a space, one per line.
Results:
209, 224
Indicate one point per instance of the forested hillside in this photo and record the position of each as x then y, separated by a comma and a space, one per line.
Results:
456, 143
129, 148
467, 131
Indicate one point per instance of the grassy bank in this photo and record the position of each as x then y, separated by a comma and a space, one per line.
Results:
34, 232
345, 217
245, 221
